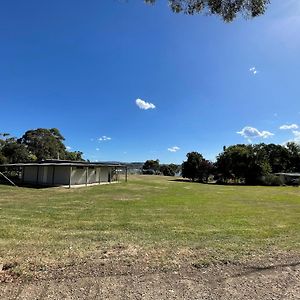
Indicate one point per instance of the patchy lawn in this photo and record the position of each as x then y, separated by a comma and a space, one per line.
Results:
151, 220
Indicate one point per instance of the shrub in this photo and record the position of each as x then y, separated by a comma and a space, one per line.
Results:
271, 180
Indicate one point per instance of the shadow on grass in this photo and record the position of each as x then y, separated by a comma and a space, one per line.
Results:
23, 185
190, 181
182, 180
253, 270
225, 183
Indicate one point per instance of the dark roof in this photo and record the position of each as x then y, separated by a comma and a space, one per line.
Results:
64, 163
289, 174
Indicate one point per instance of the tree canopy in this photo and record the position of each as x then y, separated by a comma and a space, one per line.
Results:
152, 167
243, 162
251, 163
196, 167
38, 144
44, 143
151, 164
167, 170
227, 9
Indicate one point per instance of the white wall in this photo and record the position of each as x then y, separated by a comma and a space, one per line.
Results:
62, 173
78, 175
92, 175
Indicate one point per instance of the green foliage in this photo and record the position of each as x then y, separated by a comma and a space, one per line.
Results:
175, 168
38, 144
278, 157
15, 152
151, 166
271, 180
227, 9
294, 156
166, 170
196, 167
243, 163
74, 155
190, 168
169, 170
45, 143
3, 159
251, 163
11, 151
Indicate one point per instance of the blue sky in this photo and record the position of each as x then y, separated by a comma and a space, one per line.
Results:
80, 66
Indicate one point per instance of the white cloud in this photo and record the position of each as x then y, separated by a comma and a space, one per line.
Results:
97, 149
296, 132
287, 127
253, 70
104, 138
144, 105
68, 148
174, 149
296, 136
251, 132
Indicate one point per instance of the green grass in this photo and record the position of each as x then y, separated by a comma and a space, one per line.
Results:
150, 213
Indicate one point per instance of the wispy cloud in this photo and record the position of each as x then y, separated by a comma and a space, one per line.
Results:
285, 30
104, 138
250, 133
174, 149
296, 136
253, 70
295, 139
144, 105
288, 127
68, 148
97, 149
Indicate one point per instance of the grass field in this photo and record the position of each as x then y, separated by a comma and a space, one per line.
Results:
150, 216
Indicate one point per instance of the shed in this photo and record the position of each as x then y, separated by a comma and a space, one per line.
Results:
289, 178
65, 173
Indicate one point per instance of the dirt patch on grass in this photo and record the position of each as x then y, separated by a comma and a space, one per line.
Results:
8, 272
122, 273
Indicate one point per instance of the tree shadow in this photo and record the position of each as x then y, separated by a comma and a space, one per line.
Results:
182, 180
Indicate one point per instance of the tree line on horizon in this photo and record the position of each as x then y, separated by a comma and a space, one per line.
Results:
35, 145
241, 163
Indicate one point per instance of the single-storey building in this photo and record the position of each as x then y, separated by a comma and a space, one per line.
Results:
65, 173
289, 178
